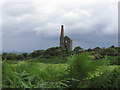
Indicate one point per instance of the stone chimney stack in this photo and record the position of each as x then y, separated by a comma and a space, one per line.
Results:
62, 36
65, 42
62, 30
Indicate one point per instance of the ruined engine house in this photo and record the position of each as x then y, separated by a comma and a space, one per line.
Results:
65, 41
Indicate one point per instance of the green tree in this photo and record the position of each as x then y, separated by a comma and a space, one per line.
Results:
21, 57
37, 53
9, 56
78, 49
4, 56
25, 54
109, 52
89, 49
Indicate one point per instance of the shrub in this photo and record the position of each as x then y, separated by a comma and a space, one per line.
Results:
79, 68
109, 52
81, 65
108, 79
78, 49
114, 60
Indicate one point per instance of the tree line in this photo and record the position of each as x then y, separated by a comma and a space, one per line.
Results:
111, 52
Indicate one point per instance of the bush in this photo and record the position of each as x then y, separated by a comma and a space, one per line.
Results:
50, 52
114, 60
78, 50
109, 52
9, 56
108, 79
79, 68
80, 65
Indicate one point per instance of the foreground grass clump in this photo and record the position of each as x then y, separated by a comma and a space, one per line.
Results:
32, 75
9, 76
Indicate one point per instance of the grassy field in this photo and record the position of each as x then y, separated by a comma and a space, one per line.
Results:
34, 74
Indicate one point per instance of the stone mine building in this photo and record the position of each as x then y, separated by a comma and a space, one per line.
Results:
65, 42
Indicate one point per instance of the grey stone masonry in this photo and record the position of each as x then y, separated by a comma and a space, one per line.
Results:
65, 42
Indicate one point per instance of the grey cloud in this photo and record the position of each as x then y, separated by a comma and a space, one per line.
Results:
74, 19
16, 9
39, 26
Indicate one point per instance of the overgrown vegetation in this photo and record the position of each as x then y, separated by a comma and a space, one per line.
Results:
57, 68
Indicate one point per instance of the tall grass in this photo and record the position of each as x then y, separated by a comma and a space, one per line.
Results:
51, 60
32, 74
9, 77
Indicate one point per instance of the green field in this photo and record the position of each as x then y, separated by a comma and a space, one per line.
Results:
78, 71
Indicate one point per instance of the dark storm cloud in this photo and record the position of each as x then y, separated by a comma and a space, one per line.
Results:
94, 40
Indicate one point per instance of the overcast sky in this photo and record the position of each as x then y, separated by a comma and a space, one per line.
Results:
29, 25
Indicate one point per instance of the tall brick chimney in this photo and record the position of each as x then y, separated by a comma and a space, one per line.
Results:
62, 30
62, 37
